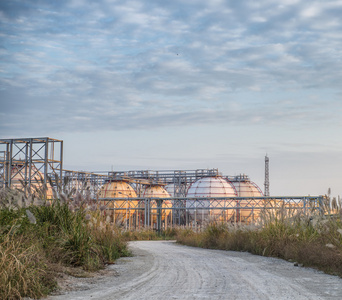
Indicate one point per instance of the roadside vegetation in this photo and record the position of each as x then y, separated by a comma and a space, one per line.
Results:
150, 234
40, 238
306, 239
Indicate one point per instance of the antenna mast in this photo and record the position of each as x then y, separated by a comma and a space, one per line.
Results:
267, 177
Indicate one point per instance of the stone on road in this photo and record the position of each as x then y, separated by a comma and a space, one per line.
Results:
166, 270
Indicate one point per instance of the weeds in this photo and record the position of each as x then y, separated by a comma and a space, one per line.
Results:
147, 234
24, 268
307, 239
35, 239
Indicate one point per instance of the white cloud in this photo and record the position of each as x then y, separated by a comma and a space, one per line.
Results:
152, 62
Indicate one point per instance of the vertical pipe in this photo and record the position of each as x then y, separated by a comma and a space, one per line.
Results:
159, 217
10, 164
196, 215
129, 214
26, 166
30, 165
126, 217
304, 205
46, 159
114, 212
149, 212
8, 167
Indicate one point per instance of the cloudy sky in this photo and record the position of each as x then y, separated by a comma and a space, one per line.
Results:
132, 85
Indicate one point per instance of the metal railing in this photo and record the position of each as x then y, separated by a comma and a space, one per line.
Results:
160, 214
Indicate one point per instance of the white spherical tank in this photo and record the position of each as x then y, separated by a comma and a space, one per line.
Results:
158, 191
247, 189
247, 211
210, 187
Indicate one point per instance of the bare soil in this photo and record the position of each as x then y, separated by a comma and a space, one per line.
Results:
166, 270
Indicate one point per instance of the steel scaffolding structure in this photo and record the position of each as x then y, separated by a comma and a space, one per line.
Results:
181, 179
80, 181
25, 161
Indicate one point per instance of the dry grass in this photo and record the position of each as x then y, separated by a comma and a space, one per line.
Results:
305, 238
24, 268
37, 237
147, 234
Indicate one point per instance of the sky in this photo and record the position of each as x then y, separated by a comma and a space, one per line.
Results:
172, 85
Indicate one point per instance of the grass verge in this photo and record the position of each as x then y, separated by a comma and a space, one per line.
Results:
311, 241
36, 240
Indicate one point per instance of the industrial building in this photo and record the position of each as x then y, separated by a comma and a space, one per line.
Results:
144, 198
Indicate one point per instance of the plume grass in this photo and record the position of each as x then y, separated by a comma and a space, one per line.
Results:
38, 234
305, 238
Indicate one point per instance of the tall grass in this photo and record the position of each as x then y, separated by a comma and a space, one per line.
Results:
304, 238
24, 268
36, 239
147, 234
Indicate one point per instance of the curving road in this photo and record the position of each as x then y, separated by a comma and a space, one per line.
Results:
166, 270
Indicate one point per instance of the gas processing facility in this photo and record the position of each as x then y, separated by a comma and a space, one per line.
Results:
144, 198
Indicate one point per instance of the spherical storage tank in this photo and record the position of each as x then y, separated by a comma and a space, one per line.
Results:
244, 187
158, 191
210, 187
119, 189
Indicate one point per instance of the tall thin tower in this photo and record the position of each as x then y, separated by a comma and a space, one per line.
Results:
267, 177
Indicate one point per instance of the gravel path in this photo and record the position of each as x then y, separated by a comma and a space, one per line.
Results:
166, 270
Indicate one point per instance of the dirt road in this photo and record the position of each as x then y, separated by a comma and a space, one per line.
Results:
166, 270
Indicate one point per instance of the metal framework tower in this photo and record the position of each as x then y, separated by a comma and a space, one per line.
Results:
23, 160
267, 177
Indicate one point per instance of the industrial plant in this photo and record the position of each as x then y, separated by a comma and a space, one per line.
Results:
143, 198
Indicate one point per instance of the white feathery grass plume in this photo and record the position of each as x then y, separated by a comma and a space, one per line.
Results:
63, 198
37, 202
88, 196
339, 231
23, 202
71, 207
78, 199
31, 217
54, 193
